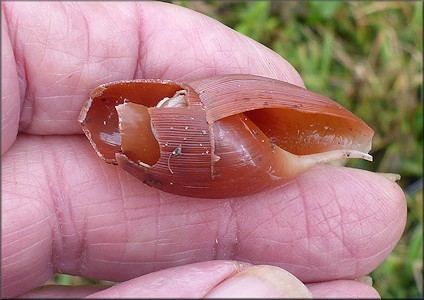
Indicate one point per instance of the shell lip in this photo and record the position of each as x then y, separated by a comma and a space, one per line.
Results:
103, 86
84, 110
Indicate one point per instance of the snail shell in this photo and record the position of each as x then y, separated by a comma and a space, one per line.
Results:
217, 137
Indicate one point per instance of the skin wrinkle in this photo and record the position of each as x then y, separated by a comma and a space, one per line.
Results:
64, 218
199, 39
88, 205
158, 230
23, 278
134, 264
88, 53
203, 48
124, 209
260, 239
9, 124
105, 169
80, 162
160, 241
9, 84
218, 49
376, 236
352, 247
309, 234
326, 219
40, 110
28, 269
20, 68
28, 249
274, 218
365, 238
19, 205
175, 262
26, 96
259, 231
222, 244
213, 25
380, 252
336, 289
291, 234
29, 99
226, 237
99, 230
51, 265
20, 233
135, 212
143, 67
184, 223
186, 254
247, 233
139, 23
340, 234
28, 107
45, 43
305, 218
387, 228
106, 227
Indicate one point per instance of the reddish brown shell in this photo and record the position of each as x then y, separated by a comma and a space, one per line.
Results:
218, 137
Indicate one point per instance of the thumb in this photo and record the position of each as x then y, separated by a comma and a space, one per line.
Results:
211, 279
261, 281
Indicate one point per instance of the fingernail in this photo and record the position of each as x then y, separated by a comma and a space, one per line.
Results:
365, 279
392, 176
261, 281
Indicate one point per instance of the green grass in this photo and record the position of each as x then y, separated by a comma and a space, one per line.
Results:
368, 57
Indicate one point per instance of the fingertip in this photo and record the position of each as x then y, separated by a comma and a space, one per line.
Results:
338, 289
261, 281
372, 210
352, 219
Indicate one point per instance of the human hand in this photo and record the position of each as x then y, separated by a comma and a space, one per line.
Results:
65, 211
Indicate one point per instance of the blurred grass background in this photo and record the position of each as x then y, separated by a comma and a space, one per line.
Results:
368, 57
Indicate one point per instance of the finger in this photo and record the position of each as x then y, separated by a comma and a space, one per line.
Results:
342, 289
203, 280
193, 281
10, 98
211, 279
97, 221
189, 281
204, 47
63, 50
261, 282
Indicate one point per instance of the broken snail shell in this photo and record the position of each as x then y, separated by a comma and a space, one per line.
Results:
217, 137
